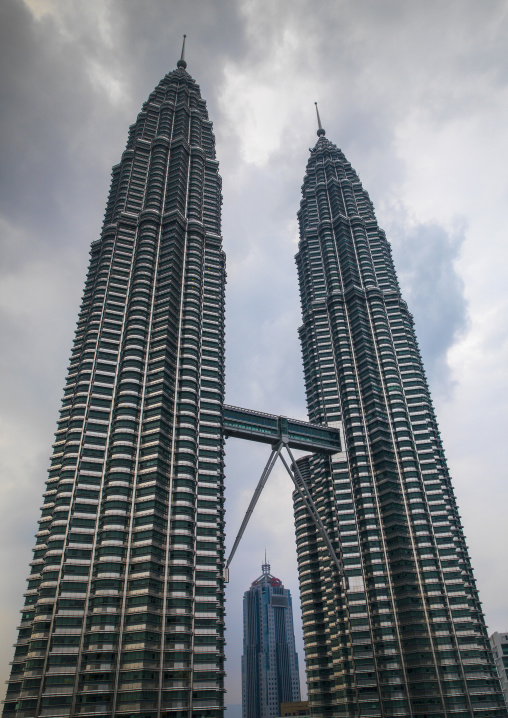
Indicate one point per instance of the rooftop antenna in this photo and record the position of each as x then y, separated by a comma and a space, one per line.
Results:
320, 132
266, 566
181, 62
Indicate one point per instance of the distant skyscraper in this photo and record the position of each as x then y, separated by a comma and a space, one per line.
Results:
269, 664
124, 607
499, 643
406, 635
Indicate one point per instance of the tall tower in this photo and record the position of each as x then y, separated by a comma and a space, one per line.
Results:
269, 663
124, 607
405, 634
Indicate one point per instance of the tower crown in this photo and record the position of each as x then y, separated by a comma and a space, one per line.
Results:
266, 577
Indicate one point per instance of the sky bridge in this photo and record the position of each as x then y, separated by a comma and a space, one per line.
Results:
283, 433
270, 429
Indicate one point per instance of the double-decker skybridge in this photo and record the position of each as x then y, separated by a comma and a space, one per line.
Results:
282, 433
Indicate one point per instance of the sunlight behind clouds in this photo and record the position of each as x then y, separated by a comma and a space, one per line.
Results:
106, 79
259, 103
70, 16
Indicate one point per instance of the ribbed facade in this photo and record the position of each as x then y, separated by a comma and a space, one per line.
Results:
407, 638
124, 607
270, 673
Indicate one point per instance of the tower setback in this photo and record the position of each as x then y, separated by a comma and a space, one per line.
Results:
123, 613
403, 634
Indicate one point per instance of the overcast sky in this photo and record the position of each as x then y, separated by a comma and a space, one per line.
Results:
415, 94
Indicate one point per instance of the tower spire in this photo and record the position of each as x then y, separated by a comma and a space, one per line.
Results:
266, 566
320, 131
181, 62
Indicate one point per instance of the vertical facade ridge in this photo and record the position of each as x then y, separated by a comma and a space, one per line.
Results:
124, 612
408, 637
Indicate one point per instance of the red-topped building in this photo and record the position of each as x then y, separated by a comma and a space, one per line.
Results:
269, 663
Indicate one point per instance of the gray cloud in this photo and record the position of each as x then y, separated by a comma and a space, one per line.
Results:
425, 258
414, 93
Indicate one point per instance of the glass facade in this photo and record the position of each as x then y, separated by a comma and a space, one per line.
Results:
124, 606
269, 663
405, 635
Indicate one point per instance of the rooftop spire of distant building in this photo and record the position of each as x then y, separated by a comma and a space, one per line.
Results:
266, 566
181, 62
320, 131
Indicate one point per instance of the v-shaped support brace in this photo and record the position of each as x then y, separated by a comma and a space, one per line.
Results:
305, 495
276, 448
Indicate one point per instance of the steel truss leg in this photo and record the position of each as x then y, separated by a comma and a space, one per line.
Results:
257, 493
305, 495
307, 499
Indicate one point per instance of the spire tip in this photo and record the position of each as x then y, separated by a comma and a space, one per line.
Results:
181, 62
320, 132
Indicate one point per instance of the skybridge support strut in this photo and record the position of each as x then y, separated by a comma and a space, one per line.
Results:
305, 495
257, 493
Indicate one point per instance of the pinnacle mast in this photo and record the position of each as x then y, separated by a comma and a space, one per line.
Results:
181, 62
320, 132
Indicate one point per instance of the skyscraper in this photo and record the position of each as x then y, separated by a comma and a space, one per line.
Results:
124, 609
269, 663
403, 634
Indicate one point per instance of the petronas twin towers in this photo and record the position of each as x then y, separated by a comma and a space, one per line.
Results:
124, 609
